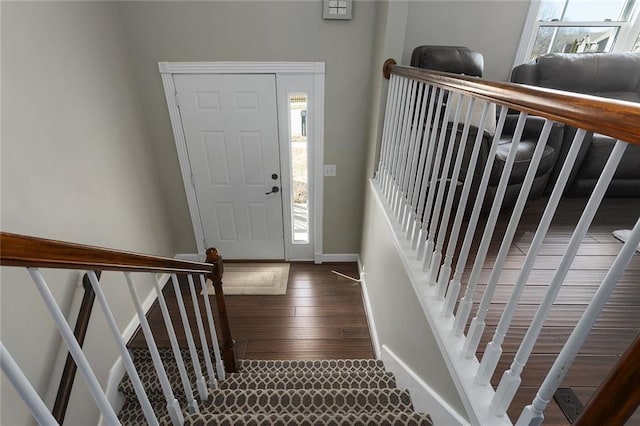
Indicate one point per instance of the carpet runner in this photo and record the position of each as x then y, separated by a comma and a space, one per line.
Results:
295, 392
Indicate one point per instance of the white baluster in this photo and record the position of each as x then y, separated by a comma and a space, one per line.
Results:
511, 378
393, 140
27, 393
200, 382
464, 308
213, 383
414, 148
397, 140
74, 348
173, 407
426, 154
431, 236
192, 404
445, 269
493, 350
533, 414
421, 154
124, 353
402, 165
454, 285
212, 330
382, 162
426, 246
436, 257
477, 324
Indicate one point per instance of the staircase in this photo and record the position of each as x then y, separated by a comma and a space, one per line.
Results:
322, 392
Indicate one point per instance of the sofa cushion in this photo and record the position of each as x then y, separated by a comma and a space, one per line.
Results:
590, 73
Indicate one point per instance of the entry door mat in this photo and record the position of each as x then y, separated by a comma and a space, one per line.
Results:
623, 235
253, 279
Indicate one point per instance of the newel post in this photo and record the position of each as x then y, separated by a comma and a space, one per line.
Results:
228, 353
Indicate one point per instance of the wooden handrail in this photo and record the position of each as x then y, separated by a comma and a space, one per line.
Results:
27, 251
618, 119
618, 396
80, 331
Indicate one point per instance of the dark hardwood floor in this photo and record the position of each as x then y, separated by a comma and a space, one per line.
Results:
322, 314
616, 326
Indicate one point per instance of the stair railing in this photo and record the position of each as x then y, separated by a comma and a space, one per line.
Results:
432, 182
34, 253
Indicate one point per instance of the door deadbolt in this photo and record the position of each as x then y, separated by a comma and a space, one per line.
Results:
274, 190
274, 176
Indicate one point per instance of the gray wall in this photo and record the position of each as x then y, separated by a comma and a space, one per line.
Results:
262, 31
76, 165
491, 27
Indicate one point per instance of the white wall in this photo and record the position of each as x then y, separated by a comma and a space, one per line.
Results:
400, 322
262, 31
492, 27
76, 165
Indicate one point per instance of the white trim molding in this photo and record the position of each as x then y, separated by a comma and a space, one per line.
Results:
339, 257
283, 69
373, 330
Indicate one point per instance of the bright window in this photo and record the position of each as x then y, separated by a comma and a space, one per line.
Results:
299, 168
575, 26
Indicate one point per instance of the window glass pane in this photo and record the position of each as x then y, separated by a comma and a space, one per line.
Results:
636, 46
591, 10
573, 40
299, 169
585, 10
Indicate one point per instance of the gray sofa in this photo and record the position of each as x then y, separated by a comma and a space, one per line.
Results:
610, 75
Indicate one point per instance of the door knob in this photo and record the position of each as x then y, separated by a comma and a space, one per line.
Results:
274, 190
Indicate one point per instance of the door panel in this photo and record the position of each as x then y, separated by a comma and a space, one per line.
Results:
231, 128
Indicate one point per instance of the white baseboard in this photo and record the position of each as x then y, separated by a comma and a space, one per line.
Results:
373, 331
117, 371
340, 257
424, 398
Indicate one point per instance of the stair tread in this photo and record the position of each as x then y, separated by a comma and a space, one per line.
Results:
334, 419
305, 392
309, 365
357, 379
307, 401
298, 379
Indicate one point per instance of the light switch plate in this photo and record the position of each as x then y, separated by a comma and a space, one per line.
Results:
337, 9
329, 169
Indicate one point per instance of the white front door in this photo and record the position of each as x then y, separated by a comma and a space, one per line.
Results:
230, 124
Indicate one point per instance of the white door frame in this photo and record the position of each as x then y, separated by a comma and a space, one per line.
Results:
281, 70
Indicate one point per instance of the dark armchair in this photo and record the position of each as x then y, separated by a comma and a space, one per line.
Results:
610, 75
462, 60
